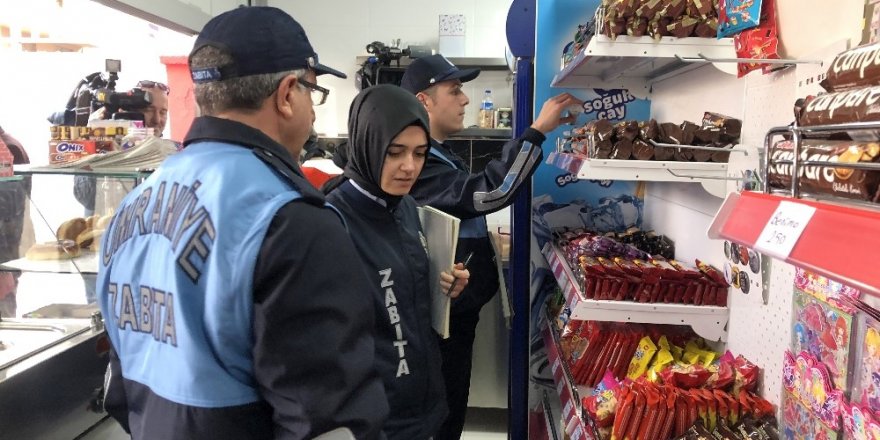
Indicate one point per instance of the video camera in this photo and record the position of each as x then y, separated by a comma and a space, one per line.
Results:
377, 68
96, 91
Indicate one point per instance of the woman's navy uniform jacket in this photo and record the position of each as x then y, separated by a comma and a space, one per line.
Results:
387, 232
407, 353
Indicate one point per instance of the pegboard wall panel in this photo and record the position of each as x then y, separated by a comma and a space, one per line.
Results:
762, 332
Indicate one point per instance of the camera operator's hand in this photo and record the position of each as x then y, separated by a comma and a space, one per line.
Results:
99, 114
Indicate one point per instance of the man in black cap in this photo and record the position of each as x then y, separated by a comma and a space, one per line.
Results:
219, 277
446, 183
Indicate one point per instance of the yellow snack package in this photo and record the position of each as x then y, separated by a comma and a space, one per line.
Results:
640, 361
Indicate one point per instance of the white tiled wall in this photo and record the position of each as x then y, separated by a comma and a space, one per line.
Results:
340, 30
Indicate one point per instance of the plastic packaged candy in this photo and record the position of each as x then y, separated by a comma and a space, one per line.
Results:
642, 358
762, 42
738, 16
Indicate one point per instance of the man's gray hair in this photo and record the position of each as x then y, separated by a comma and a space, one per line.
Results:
243, 94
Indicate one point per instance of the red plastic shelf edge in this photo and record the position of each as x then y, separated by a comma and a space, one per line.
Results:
840, 242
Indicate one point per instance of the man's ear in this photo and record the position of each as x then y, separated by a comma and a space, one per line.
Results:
423, 98
283, 102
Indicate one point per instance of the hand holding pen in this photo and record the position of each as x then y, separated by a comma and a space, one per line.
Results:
454, 283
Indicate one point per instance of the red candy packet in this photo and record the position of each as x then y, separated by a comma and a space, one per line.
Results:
761, 42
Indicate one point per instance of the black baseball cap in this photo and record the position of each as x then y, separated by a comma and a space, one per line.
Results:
426, 71
261, 40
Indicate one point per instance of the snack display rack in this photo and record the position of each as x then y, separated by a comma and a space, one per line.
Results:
710, 322
634, 63
711, 175
826, 243
576, 426
549, 420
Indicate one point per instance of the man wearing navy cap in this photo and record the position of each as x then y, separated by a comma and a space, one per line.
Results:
219, 277
446, 183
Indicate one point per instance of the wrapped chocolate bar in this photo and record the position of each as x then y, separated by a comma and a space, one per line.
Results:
674, 9
601, 129
624, 8
841, 182
859, 67
642, 150
700, 8
602, 150
628, 130
660, 28
723, 153
701, 155
856, 105
650, 9
707, 28
670, 133
706, 136
683, 154
684, 27
648, 130
637, 27
688, 131
731, 128
623, 149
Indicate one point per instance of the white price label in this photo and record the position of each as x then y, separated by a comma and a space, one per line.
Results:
784, 229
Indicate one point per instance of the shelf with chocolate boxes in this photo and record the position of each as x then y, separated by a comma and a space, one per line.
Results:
709, 321
652, 151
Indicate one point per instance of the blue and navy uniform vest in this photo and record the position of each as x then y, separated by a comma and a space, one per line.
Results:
176, 273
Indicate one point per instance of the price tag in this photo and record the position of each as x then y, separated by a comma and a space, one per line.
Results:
784, 229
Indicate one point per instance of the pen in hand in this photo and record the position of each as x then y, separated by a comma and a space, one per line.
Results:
467, 261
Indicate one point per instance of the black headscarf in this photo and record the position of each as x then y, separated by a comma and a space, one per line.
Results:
377, 115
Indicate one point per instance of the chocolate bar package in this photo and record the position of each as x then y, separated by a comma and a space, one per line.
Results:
628, 130
841, 182
688, 131
637, 27
858, 67
701, 8
731, 128
707, 28
674, 9
650, 9
706, 136
602, 150
684, 27
722, 155
622, 149
856, 105
642, 150
648, 130
701, 155
659, 28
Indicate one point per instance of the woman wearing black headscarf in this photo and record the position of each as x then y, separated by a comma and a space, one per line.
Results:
387, 146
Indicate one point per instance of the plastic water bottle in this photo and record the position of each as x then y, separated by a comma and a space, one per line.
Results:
487, 111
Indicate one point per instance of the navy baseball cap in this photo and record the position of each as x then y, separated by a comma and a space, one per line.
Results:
260, 40
426, 71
